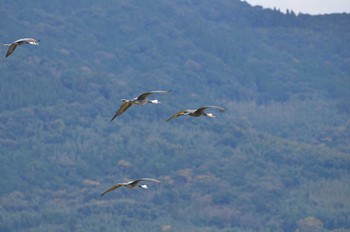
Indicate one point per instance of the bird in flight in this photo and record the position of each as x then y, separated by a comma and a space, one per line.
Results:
140, 100
131, 184
196, 113
13, 46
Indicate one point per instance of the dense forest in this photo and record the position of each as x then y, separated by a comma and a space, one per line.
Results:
277, 159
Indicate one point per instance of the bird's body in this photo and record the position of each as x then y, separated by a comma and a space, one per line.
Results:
131, 184
13, 46
140, 100
196, 113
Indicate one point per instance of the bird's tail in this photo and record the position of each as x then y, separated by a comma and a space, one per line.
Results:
154, 101
35, 42
210, 115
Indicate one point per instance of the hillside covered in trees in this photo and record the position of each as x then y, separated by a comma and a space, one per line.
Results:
277, 159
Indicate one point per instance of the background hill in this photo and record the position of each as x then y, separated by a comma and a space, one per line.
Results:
277, 159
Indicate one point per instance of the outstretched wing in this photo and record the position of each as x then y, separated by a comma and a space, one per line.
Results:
122, 109
111, 189
145, 95
27, 41
178, 114
134, 183
11, 49
148, 179
201, 109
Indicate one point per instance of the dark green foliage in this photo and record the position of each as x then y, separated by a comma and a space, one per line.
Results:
276, 160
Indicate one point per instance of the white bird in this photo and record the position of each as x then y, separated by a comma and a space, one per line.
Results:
196, 113
140, 100
131, 184
13, 46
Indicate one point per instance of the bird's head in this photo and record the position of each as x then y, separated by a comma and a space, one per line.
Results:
143, 186
124, 100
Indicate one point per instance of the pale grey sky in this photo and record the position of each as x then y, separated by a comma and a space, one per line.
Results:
306, 6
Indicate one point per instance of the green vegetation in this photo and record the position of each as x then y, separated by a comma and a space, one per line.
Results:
278, 159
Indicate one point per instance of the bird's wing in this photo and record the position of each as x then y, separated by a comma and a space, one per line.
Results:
148, 179
122, 109
111, 189
11, 49
201, 109
178, 114
27, 41
145, 95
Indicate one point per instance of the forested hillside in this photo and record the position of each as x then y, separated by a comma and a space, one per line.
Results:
277, 159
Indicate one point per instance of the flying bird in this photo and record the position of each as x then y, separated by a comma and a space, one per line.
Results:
196, 113
131, 184
140, 100
13, 46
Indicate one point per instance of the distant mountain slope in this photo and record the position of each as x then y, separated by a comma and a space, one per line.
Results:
240, 46
277, 159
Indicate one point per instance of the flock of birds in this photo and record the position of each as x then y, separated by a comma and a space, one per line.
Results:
140, 100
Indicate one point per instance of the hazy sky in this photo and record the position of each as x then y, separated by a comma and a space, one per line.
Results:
306, 6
